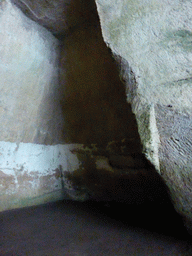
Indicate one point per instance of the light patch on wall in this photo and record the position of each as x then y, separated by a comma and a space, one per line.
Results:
152, 145
32, 173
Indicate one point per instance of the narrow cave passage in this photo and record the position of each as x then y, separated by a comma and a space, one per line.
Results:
96, 112
93, 97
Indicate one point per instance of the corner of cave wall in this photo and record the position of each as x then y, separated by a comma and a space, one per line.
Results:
80, 118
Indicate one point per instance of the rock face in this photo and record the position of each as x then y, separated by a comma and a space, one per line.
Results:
28, 80
75, 98
152, 43
29, 74
69, 91
58, 16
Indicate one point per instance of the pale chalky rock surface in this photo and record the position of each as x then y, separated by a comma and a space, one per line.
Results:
29, 57
29, 113
152, 43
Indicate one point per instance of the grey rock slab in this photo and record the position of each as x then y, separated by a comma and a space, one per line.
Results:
29, 57
152, 43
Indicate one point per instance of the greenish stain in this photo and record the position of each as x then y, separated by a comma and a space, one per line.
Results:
115, 31
131, 12
178, 39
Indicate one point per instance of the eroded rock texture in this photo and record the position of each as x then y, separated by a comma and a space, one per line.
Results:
152, 43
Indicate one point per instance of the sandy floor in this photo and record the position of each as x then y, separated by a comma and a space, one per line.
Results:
89, 229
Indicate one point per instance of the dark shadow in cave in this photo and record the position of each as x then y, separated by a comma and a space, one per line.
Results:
93, 98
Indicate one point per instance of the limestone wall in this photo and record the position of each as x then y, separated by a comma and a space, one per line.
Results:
152, 43
71, 127
55, 94
28, 79
29, 60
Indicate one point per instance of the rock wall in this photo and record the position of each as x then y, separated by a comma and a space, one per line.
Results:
28, 79
67, 90
152, 43
29, 76
57, 92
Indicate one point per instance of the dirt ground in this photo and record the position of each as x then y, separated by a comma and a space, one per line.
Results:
93, 229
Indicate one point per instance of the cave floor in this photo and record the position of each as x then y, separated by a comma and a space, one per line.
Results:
88, 229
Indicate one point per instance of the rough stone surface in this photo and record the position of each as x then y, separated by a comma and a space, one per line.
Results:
86, 104
75, 99
28, 80
152, 43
